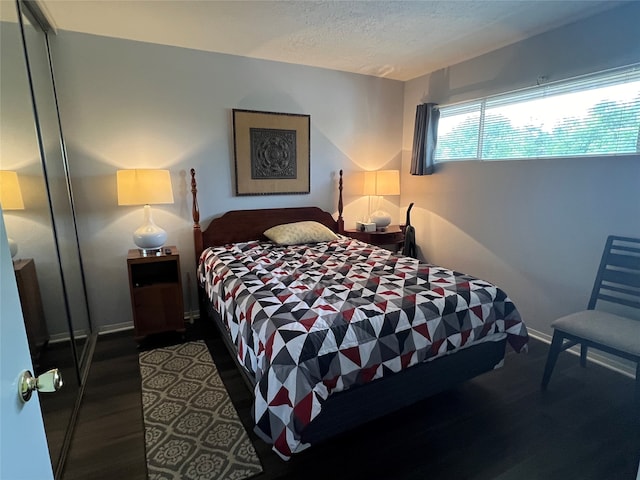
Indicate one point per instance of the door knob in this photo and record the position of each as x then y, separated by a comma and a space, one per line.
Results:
50, 381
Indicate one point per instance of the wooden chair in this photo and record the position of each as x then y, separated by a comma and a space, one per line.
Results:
617, 282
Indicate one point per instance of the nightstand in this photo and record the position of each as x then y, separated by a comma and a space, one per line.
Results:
156, 292
31, 302
393, 236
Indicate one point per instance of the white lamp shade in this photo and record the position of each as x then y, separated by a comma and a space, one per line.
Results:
369, 184
10, 199
144, 187
388, 182
10, 193
381, 182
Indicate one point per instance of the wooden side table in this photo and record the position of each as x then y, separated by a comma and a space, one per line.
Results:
155, 286
393, 236
31, 302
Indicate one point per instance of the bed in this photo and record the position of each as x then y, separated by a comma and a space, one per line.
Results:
334, 333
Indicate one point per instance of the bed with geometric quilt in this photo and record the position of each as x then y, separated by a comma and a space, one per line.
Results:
335, 333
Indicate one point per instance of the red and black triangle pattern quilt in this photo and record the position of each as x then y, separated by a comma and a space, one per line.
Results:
313, 319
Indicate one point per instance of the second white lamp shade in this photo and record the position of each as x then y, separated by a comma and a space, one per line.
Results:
380, 183
146, 187
10, 199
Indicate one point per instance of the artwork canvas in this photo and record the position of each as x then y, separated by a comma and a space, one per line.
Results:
271, 152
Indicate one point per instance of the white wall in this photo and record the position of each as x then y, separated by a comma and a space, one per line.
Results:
128, 104
534, 227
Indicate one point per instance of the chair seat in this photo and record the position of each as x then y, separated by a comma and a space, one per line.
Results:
612, 330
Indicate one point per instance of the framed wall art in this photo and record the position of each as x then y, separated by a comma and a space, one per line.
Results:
271, 152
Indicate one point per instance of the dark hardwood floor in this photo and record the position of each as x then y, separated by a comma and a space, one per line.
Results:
497, 426
57, 409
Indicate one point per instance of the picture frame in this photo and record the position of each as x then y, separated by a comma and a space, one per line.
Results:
271, 152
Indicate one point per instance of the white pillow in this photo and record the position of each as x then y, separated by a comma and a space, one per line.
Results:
300, 232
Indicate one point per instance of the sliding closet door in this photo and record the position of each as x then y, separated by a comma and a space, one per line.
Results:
57, 178
47, 264
30, 226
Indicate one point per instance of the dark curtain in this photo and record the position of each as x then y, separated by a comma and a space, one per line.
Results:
424, 139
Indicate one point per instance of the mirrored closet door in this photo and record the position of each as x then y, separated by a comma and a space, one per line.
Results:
41, 221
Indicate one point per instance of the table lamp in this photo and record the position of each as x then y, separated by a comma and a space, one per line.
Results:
380, 183
10, 199
146, 187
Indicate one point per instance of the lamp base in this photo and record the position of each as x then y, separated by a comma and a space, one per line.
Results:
150, 252
382, 220
149, 237
13, 247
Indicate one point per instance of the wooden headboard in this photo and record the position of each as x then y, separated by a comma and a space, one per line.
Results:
245, 225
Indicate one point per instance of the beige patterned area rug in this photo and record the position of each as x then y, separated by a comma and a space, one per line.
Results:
192, 430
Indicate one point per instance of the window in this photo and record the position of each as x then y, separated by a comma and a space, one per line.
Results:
593, 115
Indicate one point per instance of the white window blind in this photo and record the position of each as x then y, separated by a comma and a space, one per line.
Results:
459, 132
594, 115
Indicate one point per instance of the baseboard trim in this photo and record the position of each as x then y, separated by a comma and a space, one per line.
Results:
595, 357
123, 326
115, 327
64, 337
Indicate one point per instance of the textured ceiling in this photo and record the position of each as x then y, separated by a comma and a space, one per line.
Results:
394, 39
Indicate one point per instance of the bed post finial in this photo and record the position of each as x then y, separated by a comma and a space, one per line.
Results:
340, 206
195, 213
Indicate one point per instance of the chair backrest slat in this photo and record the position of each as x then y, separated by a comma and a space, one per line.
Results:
631, 292
624, 261
627, 248
618, 277
619, 300
623, 278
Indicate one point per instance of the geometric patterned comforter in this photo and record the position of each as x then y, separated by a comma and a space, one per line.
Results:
309, 320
